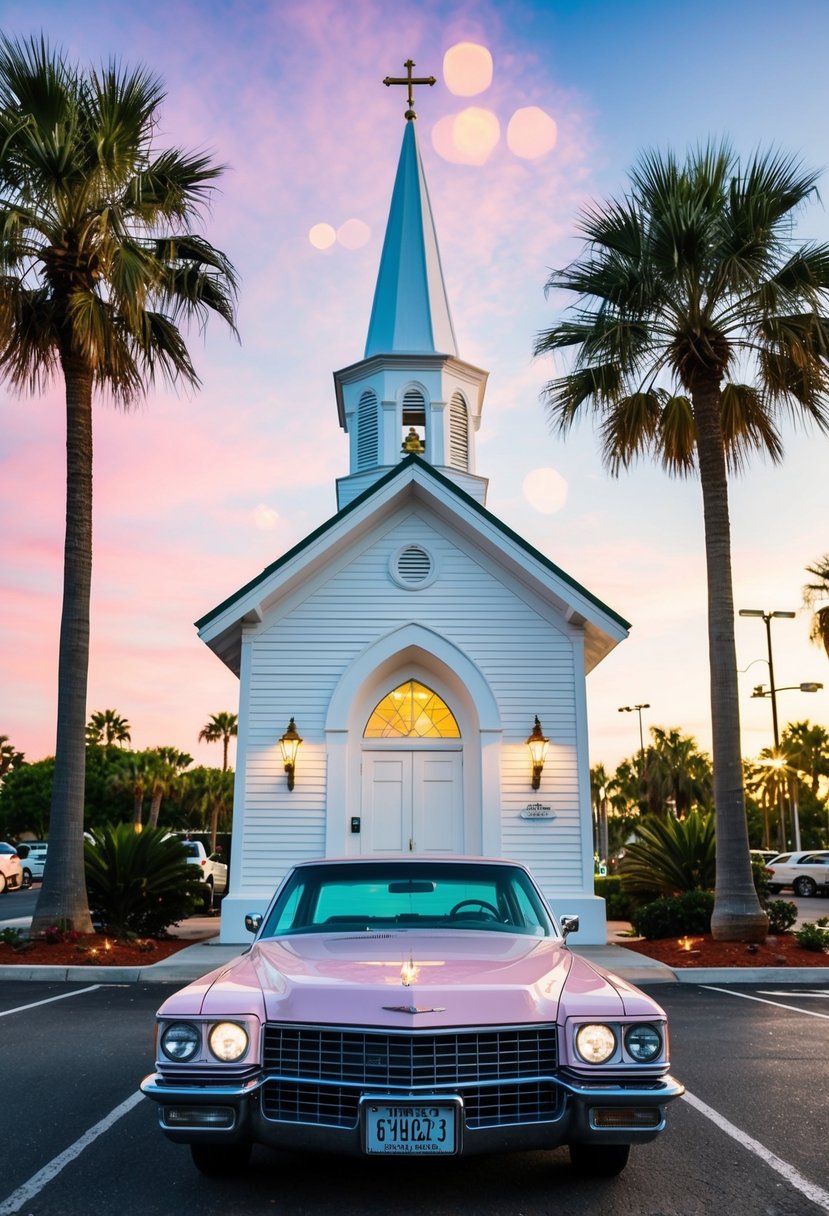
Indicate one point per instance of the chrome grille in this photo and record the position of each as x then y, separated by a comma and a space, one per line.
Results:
409, 1058
500, 1105
334, 1106
323, 1106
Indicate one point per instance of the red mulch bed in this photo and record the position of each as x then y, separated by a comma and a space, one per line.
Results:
780, 951
92, 950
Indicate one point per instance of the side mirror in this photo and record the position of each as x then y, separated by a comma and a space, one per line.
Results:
252, 922
569, 924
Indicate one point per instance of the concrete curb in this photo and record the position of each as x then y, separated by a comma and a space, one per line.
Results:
195, 961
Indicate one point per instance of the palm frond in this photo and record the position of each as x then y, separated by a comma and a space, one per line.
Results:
565, 396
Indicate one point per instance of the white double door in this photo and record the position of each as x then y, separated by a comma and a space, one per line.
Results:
412, 802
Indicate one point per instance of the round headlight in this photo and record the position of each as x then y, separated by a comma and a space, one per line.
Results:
595, 1042
644, 1043
228, 1041
180, 1041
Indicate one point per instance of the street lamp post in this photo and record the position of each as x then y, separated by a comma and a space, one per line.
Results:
771, 692
766, 617
637, 709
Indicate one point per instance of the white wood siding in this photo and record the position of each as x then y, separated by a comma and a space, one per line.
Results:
301, 650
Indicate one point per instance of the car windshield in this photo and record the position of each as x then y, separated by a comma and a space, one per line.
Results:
370, 896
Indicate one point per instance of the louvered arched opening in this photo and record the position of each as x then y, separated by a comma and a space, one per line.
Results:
367, 431
458, 433
414, 415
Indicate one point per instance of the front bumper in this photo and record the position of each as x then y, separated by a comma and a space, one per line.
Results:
614, 1112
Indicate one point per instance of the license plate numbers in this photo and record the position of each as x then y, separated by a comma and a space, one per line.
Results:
393, 1129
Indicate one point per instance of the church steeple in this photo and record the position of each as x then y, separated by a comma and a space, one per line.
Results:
411, 311
410, 385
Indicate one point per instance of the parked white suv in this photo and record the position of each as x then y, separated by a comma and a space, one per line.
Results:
806, 873
212, 869
32, 854
10, 869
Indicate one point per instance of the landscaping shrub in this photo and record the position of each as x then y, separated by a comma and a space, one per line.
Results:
781, 913
618, 903
670, 856
814, 935
139, 883
761, 878
675, 917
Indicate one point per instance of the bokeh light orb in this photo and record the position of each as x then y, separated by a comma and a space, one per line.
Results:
467, 69
322, 236
467, 138
545, 490
353, 234
265, 518
531, 133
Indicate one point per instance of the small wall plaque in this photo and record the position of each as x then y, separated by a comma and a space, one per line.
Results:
537, 810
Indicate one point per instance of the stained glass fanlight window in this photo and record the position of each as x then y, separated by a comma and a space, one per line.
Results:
412, 711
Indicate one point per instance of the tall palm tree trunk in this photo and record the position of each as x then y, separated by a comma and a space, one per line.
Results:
736, 906
63, 899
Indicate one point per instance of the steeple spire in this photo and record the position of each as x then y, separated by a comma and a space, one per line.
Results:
410, 395
410, 314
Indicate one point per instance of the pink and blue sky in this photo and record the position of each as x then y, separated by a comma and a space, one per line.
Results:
194, 496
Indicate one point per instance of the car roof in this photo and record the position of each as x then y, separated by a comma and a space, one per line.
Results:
429, 858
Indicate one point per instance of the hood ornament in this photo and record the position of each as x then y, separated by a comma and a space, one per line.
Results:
415, 1008
408, 973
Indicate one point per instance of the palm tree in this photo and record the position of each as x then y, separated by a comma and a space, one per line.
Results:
165, 766
210, 797
106, 727
132, 775
770, 777
599, 782
677, 774
806, 748
689, 279
10, 757
222, 726
816, 596
98, 268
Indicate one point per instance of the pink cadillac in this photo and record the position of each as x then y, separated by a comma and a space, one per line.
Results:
417, 1006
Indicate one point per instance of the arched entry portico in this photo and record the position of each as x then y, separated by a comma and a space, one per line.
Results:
464, 771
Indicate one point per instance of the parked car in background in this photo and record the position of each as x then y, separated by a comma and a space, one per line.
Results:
411, 1007
212, 869
764, 855
11, 871
806, 873
32, 854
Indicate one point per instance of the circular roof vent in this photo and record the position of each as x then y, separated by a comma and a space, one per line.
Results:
413, 568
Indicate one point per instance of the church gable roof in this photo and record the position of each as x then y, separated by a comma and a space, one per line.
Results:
221, 629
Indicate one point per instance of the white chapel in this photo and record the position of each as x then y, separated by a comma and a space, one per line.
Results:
430, 660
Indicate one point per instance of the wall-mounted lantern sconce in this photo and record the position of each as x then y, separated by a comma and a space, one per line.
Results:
538, 744
289, 743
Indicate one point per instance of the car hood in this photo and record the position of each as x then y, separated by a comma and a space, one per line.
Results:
437, 979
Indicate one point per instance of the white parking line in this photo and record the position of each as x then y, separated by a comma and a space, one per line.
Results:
39, 1180
810, 1189
779, 1004
48, 1000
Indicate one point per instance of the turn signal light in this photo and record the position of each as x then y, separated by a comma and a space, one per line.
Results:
625, 1117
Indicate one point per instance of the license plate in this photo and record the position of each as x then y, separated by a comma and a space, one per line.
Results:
392, 1128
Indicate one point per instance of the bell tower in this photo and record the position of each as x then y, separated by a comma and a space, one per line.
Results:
410, 393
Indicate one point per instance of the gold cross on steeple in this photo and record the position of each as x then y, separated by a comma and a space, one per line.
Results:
409, 80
